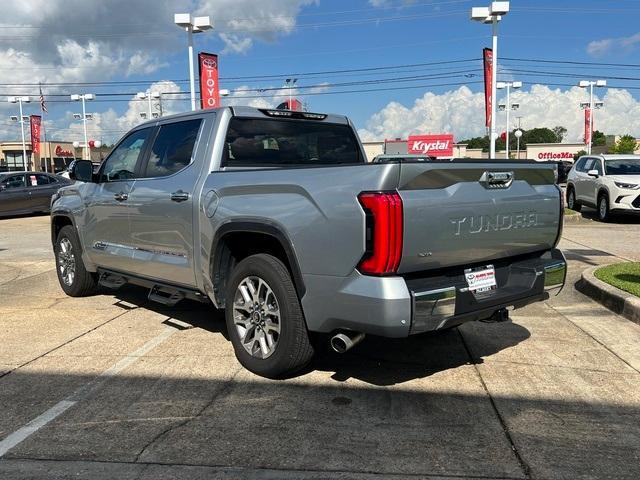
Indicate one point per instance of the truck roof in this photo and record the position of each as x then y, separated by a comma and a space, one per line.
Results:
243, 111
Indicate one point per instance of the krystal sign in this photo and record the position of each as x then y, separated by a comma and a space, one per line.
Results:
432, 145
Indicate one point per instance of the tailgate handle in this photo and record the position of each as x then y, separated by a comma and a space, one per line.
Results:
496, 179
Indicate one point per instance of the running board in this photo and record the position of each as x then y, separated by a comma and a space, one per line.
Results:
165, 295
111, 281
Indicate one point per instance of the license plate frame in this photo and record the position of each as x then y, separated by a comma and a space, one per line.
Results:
481, 279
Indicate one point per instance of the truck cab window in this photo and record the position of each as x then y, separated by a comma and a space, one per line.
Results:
121, 164
173, 148
254, 142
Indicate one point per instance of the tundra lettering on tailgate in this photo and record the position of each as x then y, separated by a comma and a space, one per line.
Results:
485, 223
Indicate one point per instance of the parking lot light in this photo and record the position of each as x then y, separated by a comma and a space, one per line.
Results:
84, 97
149, 95
192, 25
492, 15
508, 107
590, 84
20, 100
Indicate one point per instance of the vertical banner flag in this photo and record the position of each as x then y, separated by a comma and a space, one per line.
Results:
209, 87
487, 60
36, 122
588, 127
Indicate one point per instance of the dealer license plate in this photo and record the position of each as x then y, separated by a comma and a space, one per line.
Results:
481, 279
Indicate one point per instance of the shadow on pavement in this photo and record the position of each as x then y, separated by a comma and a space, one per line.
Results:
377, 360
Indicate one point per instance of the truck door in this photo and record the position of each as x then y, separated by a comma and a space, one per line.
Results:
106, 231
161, 205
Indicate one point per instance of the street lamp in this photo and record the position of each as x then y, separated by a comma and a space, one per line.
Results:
510, 106
20, 101
192, 25
84, 98
492, 14
148, 95
590, 84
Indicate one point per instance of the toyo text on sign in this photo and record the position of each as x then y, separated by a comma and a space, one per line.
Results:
209, 86
432, 145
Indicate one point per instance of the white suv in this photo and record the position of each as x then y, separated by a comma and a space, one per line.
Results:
608, 183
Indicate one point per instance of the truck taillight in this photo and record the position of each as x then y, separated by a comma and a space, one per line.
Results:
383, 234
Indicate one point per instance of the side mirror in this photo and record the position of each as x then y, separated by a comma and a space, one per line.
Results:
593, 173
81, 170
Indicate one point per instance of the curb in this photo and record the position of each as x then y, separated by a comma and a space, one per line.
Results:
613, 298
576, 218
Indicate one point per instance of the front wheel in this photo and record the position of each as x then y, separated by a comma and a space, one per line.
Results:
74, 278
264, 318
603, 208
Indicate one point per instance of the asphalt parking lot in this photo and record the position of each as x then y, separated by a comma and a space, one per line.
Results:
115, 387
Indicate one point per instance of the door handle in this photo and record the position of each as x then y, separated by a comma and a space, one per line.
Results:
121, 197
179, 196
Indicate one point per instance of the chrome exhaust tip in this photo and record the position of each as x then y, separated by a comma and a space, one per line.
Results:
342, 342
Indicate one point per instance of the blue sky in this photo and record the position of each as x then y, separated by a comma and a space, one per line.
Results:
287, 37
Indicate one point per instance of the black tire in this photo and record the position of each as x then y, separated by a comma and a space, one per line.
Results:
572, 203
82, 283
603, 208
293, 350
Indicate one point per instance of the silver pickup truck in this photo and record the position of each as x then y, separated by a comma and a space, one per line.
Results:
276, 217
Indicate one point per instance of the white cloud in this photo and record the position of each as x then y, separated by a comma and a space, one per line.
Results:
624, 45
462, 113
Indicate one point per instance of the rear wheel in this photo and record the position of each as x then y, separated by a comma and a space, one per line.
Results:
74, 278
572, 203
603, 208
264, 318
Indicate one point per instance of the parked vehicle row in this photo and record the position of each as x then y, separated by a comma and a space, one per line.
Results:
276, 217
608, 183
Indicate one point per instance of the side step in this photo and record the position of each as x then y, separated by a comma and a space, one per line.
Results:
111, 280
165, 295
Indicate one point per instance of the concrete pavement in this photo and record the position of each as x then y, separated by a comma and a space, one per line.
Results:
555, 393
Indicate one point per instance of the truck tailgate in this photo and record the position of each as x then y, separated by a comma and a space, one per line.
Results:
470, 212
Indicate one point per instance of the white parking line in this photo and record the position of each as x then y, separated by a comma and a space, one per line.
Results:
59, 408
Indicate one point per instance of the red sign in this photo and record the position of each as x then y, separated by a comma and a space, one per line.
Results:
61, 152
588, 126
487, 59
432, 145
36, 122
209, 86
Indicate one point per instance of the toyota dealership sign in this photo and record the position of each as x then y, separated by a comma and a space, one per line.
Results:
432, 145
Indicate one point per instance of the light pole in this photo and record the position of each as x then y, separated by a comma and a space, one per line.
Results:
290, 82
84, 98
20, 101
192, 25
509, 106
590, 84
492, 14
148, 95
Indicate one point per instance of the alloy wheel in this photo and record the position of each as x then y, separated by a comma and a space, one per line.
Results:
66, 262
256, 316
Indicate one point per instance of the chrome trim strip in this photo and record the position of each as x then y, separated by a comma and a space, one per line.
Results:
554, 277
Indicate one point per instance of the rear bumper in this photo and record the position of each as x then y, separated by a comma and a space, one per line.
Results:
398, 307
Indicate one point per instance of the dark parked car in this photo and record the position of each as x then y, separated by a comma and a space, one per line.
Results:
28, 192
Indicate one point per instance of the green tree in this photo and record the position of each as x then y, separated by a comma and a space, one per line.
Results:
579, 154
477, 142
598, 138
626, 144
538, 135
559, 132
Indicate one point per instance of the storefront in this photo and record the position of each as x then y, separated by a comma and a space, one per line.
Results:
53, 157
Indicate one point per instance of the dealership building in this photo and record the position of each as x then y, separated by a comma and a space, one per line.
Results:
53, 156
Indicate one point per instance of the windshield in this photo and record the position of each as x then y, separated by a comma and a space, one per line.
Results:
627, 166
